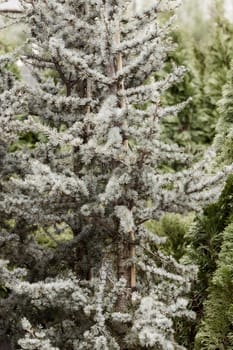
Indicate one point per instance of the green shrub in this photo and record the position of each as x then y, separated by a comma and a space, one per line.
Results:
216, 330
204, 244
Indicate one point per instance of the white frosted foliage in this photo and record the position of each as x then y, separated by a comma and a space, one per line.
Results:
95, 170
126, 219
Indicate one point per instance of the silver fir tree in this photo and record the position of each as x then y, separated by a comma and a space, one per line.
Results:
98, 170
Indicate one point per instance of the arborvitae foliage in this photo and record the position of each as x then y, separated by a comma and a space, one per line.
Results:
98, 171
224, 139
216, 327
174, 227
217, 63
190, 127
219, 56
206, 51
205, 239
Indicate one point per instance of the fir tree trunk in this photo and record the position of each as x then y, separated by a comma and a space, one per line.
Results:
126, 249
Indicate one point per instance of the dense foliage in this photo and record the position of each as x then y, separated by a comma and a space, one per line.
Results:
203, 243
95, 180
207, 52
216, 328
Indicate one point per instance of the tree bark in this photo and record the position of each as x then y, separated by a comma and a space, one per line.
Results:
126, 249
